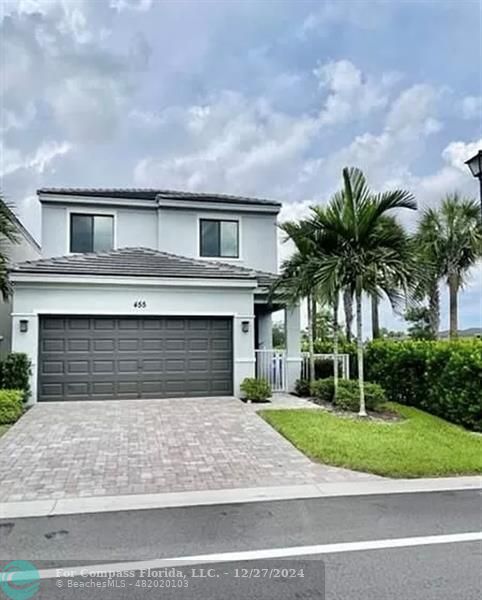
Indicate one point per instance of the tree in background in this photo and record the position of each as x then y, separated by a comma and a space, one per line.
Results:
8, 233
420, 319
279, 336
449, 240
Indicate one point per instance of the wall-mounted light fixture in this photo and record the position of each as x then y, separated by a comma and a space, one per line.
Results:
24, 325
245, 326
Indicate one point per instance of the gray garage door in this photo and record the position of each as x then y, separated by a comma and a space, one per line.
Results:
102, 358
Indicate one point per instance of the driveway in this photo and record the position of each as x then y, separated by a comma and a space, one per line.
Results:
109, 448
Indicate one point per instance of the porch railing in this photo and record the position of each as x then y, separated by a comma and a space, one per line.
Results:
271, 365
343, 363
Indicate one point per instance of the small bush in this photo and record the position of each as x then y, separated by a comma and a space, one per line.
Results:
255, 390
302, 387
11, 406
323, 389
348, 397
16, 371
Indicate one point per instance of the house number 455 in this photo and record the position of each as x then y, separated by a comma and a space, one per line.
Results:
140, 304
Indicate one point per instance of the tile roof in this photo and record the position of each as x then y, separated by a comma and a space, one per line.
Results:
140, 262
155, 194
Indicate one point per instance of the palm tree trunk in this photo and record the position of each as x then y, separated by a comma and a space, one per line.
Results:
375, 318
314, 313
311, 349
335, 345
359, 338
434, 308
348, 309
453, 306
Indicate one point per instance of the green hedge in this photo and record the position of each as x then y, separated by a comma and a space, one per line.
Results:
443, 378
15, 373
11, 406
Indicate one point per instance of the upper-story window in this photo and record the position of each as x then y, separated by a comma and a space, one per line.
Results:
219, 238
91, 233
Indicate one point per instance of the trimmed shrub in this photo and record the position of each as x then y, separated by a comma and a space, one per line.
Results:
323, 389
302, 387
444, 377
348, 397
16, 371
11, 406
255, 390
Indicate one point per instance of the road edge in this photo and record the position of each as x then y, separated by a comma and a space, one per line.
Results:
100, 504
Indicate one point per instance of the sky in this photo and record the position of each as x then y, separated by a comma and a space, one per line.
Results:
270, 98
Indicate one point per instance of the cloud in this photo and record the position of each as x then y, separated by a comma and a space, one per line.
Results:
232, 143
471, 107
38, 161
350, 94
139, 5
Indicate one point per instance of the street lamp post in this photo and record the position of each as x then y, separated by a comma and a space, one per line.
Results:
475, 166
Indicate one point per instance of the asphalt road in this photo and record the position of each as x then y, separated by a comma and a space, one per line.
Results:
440, 571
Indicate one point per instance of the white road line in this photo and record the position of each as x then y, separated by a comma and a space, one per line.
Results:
271, 553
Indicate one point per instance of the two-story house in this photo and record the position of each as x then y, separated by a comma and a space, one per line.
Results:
150, 294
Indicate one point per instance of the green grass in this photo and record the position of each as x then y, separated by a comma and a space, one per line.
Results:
421, 445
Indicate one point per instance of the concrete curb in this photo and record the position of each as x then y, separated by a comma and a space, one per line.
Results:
98, 504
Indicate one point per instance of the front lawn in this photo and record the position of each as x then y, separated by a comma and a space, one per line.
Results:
421, 445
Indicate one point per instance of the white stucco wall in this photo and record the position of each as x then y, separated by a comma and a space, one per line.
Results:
132, 227
179, 234
167, 229
34, 299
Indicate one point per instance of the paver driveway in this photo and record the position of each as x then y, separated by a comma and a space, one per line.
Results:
72, 449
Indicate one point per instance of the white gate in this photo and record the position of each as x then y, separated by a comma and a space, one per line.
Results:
271, 365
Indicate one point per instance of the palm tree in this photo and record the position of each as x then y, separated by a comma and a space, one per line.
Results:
450, 237
364, 257
9, 233
402, 243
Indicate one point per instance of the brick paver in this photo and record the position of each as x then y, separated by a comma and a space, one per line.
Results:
72, 449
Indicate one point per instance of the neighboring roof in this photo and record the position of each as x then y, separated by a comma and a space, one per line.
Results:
140, 262
155, 194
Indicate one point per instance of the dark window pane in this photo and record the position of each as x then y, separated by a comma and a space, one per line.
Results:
209, 238
229, 239
103, 233
81, 233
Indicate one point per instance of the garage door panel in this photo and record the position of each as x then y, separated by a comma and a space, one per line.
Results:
77, 388
77, 345
53, 345
52, 367
78, 366
78, 324
105, 357
103, 345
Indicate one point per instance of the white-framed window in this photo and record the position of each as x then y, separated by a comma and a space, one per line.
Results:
218, 238
91, 232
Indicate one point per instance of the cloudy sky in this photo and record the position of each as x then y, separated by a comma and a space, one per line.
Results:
258, 97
